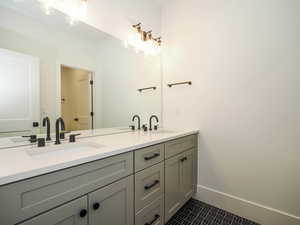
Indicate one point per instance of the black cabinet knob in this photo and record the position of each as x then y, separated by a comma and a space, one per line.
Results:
96, 206
183, 159
83, 213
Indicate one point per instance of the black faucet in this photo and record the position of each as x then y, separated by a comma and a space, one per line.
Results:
150, 121
139, 120
57, 132
46, 121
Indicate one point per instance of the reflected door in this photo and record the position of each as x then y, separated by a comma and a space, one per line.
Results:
19, 93
83, 103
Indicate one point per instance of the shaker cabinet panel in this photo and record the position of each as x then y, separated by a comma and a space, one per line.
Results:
173, 196
153, 214
187, 181
113, 204
72, 213
36, 195
179, 182
149, 185
148, 156
179, 145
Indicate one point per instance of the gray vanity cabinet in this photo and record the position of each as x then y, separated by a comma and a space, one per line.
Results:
113, 204
71, 213
146, 186
172, 186
37, 195
187, 184
179, 181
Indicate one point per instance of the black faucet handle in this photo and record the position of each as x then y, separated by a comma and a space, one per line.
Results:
72, 137
32, 138
132, 127
145, 128
62, 134
41, 142
155, 127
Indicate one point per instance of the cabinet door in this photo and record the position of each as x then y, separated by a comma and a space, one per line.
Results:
173, 192
113, 204
187, 175
73, 213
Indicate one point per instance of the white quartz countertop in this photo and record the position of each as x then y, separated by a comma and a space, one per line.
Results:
29, 161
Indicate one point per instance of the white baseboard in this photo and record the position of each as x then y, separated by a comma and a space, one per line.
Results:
244, 208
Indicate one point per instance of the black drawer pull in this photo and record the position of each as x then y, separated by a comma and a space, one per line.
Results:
151, 157
83, 213
147, 187
183, 159
156, 217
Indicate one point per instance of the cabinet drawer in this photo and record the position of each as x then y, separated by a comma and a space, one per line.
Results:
153, 214
63, 215
148, 156
33, 196
179, 145
149, 185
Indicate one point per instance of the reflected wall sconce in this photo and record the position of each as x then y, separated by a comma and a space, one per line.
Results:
144, 41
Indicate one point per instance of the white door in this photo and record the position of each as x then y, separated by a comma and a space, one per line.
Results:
19, 93
83, 103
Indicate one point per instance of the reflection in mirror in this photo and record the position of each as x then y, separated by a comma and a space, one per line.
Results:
51, 69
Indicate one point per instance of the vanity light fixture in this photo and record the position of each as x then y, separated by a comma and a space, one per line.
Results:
48, 5
144, 41
76, 9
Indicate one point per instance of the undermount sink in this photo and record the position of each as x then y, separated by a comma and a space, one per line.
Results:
65, 148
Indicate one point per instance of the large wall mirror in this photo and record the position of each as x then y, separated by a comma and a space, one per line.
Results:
51, 69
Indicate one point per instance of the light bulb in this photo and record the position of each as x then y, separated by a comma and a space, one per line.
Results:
83, 8
47, 5
148, 47
47, 10
125, 43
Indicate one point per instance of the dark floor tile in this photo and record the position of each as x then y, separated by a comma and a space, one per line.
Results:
195, 212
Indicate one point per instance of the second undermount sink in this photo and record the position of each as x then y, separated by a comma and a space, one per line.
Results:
65, 148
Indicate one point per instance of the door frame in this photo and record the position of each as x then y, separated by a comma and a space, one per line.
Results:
58, 88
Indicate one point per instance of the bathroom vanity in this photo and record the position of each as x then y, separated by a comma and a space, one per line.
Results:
123, 179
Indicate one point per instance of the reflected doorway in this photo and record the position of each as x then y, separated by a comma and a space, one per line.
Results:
77, 98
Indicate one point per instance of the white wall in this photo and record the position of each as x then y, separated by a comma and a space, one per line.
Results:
123, 73
243, 59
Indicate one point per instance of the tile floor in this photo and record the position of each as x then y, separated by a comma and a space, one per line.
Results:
195, 212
